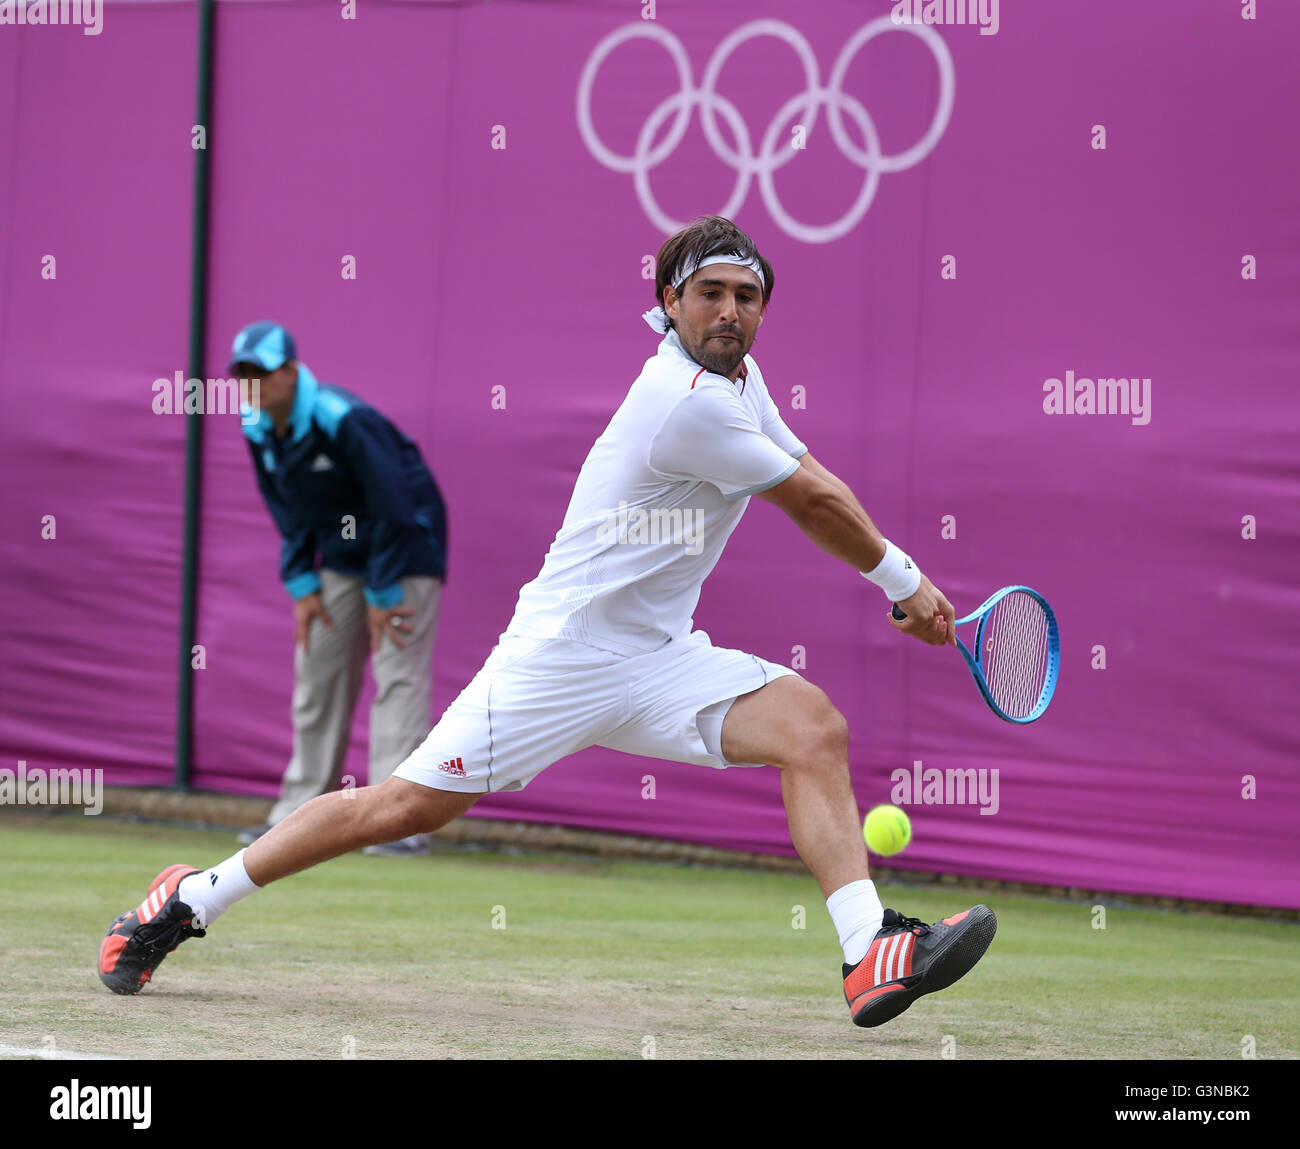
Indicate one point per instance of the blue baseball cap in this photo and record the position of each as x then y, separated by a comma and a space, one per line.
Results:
266, 344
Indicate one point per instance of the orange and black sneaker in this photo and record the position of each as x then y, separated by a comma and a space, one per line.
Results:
909, 959
140, 938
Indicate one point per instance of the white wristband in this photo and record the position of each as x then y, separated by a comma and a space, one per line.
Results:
897, 575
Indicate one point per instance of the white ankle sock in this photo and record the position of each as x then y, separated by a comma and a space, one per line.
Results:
210, 893
857, 913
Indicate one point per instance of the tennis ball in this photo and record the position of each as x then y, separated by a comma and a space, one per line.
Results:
887, 830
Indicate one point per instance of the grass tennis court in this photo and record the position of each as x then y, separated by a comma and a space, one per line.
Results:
399, 958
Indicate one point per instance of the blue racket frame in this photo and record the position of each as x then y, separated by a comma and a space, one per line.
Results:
974, 662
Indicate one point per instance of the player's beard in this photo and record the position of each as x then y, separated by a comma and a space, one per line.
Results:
721, 356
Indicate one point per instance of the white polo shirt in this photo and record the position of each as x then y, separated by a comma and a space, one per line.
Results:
655, 502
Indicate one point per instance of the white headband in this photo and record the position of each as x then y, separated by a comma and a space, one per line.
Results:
657, 317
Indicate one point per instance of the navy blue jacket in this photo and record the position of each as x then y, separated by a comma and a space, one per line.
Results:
342, 458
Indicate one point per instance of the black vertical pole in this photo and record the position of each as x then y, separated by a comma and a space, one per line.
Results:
193, 425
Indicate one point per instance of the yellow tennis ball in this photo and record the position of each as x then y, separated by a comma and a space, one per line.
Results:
887, 830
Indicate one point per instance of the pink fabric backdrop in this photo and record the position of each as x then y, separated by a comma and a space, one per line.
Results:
522, 266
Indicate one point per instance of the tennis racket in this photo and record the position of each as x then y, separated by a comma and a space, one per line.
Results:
1017, 652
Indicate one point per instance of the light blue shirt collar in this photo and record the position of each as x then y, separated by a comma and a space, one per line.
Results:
304, 403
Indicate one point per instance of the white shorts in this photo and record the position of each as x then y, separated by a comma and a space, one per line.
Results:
537, 700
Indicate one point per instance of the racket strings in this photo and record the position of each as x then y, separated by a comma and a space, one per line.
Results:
1017, 653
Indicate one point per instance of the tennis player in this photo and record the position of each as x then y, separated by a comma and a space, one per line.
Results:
600, 650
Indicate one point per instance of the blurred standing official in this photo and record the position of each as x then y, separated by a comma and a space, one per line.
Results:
363, 558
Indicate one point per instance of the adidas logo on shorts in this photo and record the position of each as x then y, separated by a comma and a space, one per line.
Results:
453, 766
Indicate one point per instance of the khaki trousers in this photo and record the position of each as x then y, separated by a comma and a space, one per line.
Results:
327, 681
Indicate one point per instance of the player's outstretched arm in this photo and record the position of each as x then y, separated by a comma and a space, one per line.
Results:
828, 512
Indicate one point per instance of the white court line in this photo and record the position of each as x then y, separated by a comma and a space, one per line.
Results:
44, 1054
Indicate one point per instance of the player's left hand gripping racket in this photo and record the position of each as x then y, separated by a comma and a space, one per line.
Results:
1017, 652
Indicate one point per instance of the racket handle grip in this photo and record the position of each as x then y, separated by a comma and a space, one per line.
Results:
899, 616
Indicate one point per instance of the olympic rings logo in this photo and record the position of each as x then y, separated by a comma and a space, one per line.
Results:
771, 156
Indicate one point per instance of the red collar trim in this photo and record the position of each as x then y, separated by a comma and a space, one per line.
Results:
744, 376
